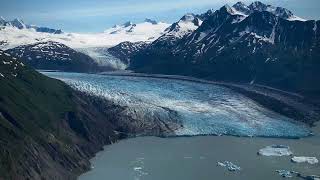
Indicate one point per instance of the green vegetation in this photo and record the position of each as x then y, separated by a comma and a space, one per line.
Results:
45, 125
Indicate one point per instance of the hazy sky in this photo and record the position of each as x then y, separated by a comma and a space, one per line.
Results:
97, 15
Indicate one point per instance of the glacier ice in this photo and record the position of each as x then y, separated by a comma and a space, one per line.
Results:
303, 159
229, 165
202, 109
287, 174
275, 150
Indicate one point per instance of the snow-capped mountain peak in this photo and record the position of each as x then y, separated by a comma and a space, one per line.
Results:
227, 8
150, 21
152, 28
188, 17
258, 6
188, 23
241, 7
2, 21
18, 23
127, 24
233, 11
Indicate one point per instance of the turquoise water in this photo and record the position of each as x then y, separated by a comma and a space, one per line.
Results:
202, 109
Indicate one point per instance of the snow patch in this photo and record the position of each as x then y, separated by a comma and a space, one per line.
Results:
140, 32
296, 18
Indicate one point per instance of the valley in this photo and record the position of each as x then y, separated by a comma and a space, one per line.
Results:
230, 92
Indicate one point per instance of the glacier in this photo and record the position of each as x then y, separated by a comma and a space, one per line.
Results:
202, 109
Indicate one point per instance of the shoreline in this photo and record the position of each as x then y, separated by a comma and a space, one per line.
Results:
252, 146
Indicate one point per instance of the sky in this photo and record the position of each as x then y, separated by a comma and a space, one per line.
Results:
98, 15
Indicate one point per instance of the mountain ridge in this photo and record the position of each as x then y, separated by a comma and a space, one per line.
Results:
261, 47
55, 56
18, 23
50, 131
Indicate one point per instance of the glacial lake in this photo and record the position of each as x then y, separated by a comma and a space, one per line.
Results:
204, 109
195, 158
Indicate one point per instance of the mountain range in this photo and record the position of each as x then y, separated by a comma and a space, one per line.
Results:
16, 33
50, 131
51, 55
249, 44
256, 43
18, 23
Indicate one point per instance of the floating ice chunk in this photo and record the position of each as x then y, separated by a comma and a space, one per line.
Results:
303, 159
275, 150
229, 165
312, 177
137, 168
5, 62
287, 174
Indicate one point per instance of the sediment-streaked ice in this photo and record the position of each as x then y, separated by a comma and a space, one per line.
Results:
203, 109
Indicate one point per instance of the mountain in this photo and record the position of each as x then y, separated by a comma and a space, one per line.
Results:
47, 130
148, 31
18, 23
186, 25
149, 28
125, 50
91, 44
50, 131
250, 44
55, 56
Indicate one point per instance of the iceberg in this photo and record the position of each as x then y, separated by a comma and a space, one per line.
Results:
275, 150
229, 165
312, 177
303, 159
287, 174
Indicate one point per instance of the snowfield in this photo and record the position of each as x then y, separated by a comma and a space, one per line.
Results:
146, 31
201, 109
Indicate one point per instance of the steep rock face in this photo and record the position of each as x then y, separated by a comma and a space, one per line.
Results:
45, 126
49, 131
55, 56
125, 50
253, 44
186, 25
